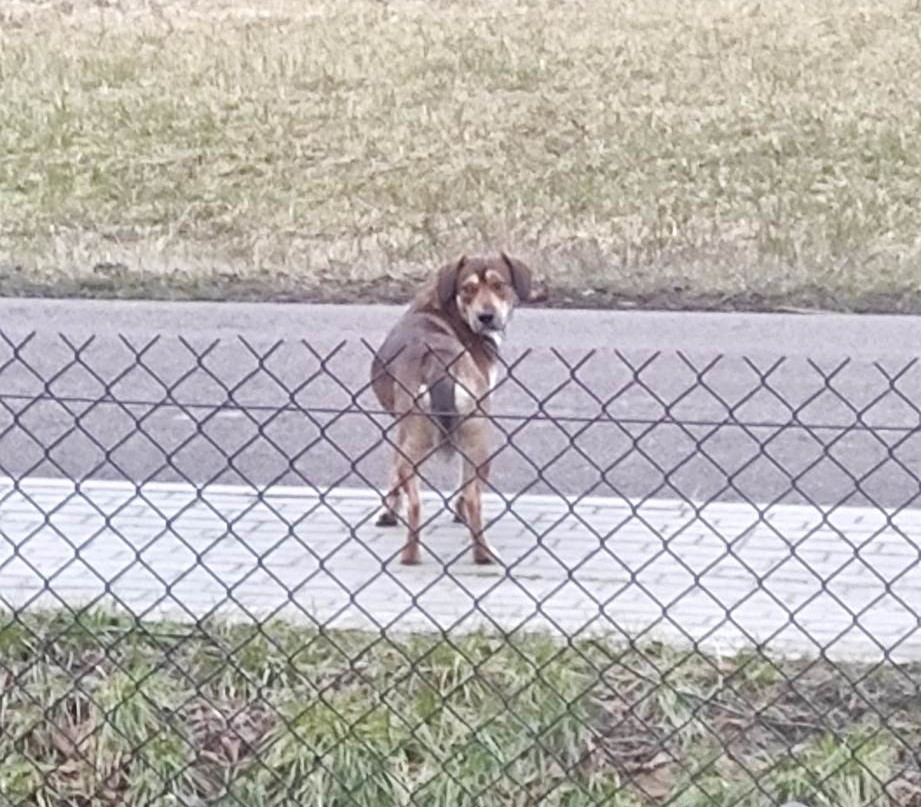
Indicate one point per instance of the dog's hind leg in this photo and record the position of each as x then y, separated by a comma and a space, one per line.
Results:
415, 445
476, 473
458, 507
410, 554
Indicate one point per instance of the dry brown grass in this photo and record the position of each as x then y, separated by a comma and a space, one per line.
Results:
716, 148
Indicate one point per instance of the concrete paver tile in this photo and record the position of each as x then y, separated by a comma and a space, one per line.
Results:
724, 575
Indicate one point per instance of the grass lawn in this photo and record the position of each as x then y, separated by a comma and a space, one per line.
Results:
726, 153
100, 710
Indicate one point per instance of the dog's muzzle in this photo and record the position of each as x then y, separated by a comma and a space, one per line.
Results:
489, 324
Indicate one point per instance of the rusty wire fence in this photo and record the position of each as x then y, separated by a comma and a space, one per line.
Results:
707, 589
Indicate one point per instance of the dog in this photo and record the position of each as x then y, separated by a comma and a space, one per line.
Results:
434, 372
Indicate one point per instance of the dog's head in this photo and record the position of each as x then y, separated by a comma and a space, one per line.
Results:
484, 291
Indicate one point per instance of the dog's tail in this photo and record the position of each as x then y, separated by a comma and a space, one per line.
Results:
442, 403
446, 400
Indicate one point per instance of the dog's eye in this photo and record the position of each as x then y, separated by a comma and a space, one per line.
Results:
498, 285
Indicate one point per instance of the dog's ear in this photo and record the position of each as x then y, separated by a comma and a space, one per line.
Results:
447, 281
521, 277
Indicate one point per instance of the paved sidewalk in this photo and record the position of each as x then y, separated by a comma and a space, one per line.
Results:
725, 575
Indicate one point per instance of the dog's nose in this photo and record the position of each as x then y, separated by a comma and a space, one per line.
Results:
486, 317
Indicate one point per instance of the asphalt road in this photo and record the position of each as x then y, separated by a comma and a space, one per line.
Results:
786, 408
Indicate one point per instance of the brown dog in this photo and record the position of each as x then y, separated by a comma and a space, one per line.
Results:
434, 372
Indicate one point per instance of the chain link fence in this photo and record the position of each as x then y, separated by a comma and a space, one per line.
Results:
706, 594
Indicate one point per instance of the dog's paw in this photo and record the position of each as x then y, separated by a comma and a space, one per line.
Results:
457, 511
386, 518
485, 556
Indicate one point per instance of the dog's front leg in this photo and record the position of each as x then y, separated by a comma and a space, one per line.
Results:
458, 506
389, 514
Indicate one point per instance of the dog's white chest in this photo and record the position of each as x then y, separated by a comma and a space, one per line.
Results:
493, 376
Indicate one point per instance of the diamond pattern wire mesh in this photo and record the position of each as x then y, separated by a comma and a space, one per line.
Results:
707, 596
